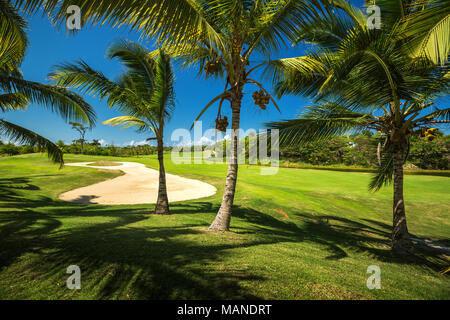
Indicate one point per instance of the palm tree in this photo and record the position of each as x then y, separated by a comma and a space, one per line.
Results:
17, 93
365, 79
144, 92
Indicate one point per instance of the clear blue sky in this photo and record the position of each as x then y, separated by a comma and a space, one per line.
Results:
50, 46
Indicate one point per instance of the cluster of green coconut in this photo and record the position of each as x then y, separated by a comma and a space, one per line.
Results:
212, 67
261, 99
429, 134
222, 124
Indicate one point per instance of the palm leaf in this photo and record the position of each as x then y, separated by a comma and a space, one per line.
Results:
383, 175
25, 136
144, 92
277, 22
163, 97
69, 105
12, 101
393, 10
14, 40
171, 21
125, 122
326, 30
319, 122
300, 75
426, 29
352, 12
79, 75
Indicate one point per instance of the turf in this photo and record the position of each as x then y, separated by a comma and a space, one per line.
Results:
300, 234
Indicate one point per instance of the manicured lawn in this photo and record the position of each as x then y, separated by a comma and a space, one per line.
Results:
300, 234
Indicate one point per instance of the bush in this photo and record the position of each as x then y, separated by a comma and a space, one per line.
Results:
113, 151
9, 149
27, 149
430, 154
361, 151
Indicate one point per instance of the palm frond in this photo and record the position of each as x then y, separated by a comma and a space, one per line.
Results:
320, 122
125, 122
12, 101
163, 99
169, 21
25, 136
135, 58
429, 28
67, 104
434, 116
122, 94
393, 10
383, 175
144, 92
13, 37
352, 12
326, 30
277, 22
299, 75
81, 76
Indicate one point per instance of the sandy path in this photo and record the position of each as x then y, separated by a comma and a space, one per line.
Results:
138, 185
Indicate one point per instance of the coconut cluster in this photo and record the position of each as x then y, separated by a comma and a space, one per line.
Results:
222, 124
261, 99
212, 67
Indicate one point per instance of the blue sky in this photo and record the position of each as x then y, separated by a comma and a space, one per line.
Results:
50, 46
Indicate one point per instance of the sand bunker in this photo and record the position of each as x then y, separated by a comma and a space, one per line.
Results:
138, 185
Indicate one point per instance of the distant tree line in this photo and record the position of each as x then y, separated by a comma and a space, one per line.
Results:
95, 148
361, 151
92, 148
353, 150
9, 149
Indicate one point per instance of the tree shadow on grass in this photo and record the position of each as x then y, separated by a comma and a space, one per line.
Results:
122, 261
337, 234
9, 188
369, 237
124, 257
191, 207
128, 258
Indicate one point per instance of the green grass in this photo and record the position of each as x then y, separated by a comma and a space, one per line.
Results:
344, 168
333, 231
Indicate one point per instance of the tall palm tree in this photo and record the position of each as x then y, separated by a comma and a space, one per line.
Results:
224, 38
17, 93
144, 92
365, 79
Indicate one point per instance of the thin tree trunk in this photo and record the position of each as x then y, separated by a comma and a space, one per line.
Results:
400, 236
162, 204
223, 217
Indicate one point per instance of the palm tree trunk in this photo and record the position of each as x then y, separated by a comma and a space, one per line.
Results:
223, 217
162, 204
400, 236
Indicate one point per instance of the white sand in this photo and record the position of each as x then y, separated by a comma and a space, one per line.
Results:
138, 185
